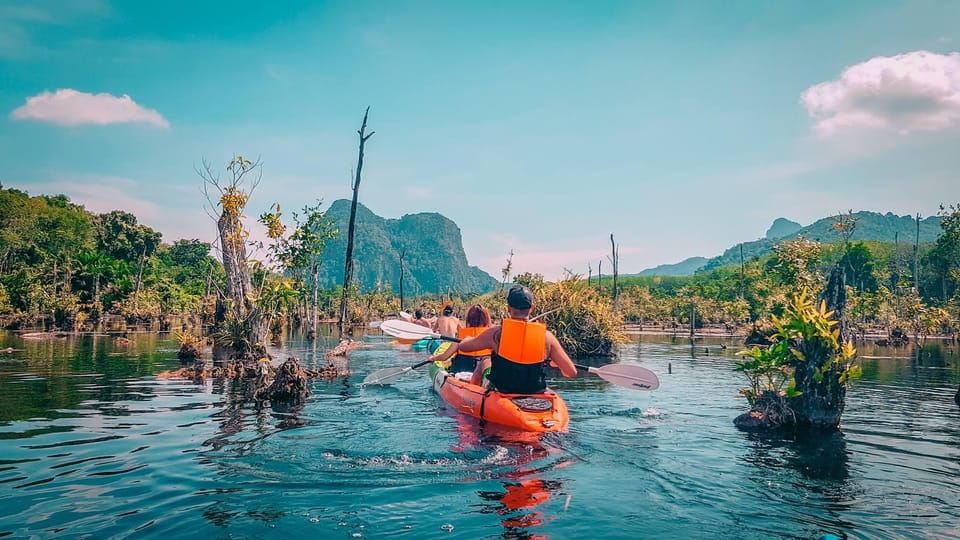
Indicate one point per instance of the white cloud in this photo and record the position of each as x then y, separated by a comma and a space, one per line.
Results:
915, 91
68, 107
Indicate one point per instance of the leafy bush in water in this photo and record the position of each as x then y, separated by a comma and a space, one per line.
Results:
804, 337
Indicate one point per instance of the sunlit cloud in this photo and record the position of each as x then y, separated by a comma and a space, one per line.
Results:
911, 92
68, 107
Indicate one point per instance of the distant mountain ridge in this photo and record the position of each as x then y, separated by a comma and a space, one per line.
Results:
685, 267
871, 226
433, 256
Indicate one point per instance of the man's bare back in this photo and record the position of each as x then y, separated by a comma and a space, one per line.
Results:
448, 325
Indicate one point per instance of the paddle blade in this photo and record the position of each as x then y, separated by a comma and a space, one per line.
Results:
406, 316
384, 376
406, 330
628, 376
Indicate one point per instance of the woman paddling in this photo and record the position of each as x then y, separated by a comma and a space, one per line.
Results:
478, 320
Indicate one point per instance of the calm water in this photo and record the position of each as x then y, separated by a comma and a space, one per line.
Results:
92, 444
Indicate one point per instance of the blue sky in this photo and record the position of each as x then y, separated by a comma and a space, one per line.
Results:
542, 127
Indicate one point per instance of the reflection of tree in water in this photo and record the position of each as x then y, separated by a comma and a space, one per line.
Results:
818, 455
821, 458
238, 405
242, 412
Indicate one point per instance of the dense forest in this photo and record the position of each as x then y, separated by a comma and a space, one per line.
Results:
893, 287
64, 267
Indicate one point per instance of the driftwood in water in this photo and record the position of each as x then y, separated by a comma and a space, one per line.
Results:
45, 335
344, 347
289, 383
191, 347
286, 383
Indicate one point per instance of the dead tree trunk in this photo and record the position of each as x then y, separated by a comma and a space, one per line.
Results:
615, 260
348, 259
402, 253
312, 311
239, 290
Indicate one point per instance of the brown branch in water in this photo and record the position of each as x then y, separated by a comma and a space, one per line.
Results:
265, 374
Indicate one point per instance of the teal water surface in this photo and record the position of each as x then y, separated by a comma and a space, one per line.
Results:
93, 444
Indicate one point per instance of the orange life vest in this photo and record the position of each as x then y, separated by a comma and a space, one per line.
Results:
473, 331
523, 342
517, 367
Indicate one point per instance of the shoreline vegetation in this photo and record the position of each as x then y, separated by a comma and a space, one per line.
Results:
64, 269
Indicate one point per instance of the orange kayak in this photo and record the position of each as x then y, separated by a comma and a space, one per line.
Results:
529, 412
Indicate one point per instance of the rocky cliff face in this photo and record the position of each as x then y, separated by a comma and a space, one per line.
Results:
433, 261
782, 227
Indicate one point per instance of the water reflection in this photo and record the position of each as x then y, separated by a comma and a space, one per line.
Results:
517, 505
95, 446
815, 454
527, 460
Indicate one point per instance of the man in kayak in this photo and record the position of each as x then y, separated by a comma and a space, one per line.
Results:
520, 349
447, 324
418, 319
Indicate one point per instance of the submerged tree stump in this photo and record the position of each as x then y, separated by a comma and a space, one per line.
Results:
771, 411
189, 351
813, 344
288, 384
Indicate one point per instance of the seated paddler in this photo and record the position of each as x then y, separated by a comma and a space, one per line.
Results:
520, 350
478, 320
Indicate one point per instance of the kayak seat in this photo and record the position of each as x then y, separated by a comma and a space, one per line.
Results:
532, 404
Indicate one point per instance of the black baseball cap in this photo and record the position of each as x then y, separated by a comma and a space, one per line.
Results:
520, 297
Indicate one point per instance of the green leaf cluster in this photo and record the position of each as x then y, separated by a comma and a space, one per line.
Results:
806, 333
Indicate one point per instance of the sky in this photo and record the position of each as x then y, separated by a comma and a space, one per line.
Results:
541, 128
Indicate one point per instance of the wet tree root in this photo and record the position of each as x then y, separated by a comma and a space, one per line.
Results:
286, 383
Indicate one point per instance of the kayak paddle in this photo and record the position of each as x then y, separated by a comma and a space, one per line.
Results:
409, 330
626, 375
383, 376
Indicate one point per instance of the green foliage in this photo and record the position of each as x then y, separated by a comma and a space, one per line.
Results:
944, 257
378, 303
5, 305
805, 334
796, 263
58, 259
858, 263
120, 237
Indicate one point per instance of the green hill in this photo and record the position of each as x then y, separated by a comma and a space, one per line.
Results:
433, 261
685, 267
871, 226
